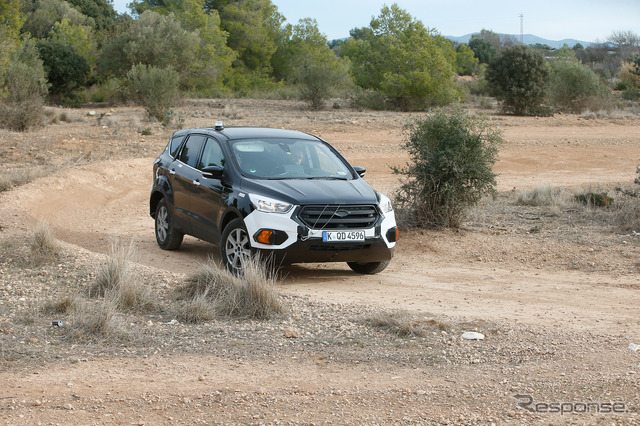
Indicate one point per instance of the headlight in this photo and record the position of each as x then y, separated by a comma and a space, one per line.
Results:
269, 205
385, 203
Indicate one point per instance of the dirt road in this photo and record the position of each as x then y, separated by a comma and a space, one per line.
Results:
507, 276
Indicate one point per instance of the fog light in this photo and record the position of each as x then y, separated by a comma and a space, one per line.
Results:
393, 234
264, 237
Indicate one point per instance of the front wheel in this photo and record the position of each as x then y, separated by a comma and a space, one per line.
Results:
368, 268
235, 247
167, 236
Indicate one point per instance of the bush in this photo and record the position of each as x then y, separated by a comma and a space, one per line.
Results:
452, 156
23, 89
367, 99
595, 199
66, 70
576, 88
518, 77
154, 88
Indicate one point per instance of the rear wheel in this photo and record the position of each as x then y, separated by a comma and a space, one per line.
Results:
167, 236
235, 247
368, 268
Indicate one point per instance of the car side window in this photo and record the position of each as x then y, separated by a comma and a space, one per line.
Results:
174, 145
212, 155
191, 150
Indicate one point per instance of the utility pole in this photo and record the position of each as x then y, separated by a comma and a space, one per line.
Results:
521, 28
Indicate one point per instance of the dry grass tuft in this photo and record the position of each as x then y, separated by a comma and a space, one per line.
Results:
250, 295
116, 280
44, 246
197, 309
95, 319
545, 196
405, 324
627, 214
13, 177
233, 112
62, 306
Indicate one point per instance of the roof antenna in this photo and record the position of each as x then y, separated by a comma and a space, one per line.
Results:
219, 125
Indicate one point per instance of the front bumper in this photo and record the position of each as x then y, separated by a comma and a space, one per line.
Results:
293, 242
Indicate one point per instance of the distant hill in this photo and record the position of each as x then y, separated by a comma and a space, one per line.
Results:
530, 39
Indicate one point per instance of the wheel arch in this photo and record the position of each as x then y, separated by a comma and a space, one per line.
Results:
228, 217
154, 200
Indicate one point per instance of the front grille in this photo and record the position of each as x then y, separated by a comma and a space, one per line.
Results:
339, 216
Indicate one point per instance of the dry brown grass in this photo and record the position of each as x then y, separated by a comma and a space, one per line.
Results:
43, 245
405, 324
215, 289
95, 319
117, 281
555, 198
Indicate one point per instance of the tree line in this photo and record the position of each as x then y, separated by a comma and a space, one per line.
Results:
74, 51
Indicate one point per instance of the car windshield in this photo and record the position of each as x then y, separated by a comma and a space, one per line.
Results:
288, 159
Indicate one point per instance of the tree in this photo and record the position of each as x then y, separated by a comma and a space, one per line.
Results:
452, 156
490, 37
152, 39
212, 58
518, 77
154, 88
11, 21
41, 16
466, 62
78, 37
101, 11
314, 66
23, 89
482, 49
403, 60
65, 69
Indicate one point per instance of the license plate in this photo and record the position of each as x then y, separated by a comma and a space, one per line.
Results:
334, 236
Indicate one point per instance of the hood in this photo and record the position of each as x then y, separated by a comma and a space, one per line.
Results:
313, 191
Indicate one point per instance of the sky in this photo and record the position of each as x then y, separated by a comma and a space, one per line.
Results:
584, 20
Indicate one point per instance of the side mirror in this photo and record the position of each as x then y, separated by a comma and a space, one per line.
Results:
212, 172
361, 171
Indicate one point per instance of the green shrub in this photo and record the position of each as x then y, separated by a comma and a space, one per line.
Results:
320, 74
66, 70
154, 88
576, 88
518, 77
596, 199
368, 99
23, 89
451, 156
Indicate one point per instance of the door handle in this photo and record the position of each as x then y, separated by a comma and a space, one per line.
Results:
196, 182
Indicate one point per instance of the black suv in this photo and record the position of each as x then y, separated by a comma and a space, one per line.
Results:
287, 194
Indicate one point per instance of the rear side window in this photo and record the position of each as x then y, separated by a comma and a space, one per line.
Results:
191, 150
174, 145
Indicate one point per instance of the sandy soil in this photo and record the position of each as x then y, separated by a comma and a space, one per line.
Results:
488, 271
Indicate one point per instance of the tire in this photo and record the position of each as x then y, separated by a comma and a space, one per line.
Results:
368, 268
167, 236
235, 246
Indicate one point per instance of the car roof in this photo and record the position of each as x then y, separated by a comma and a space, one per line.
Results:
231, 133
